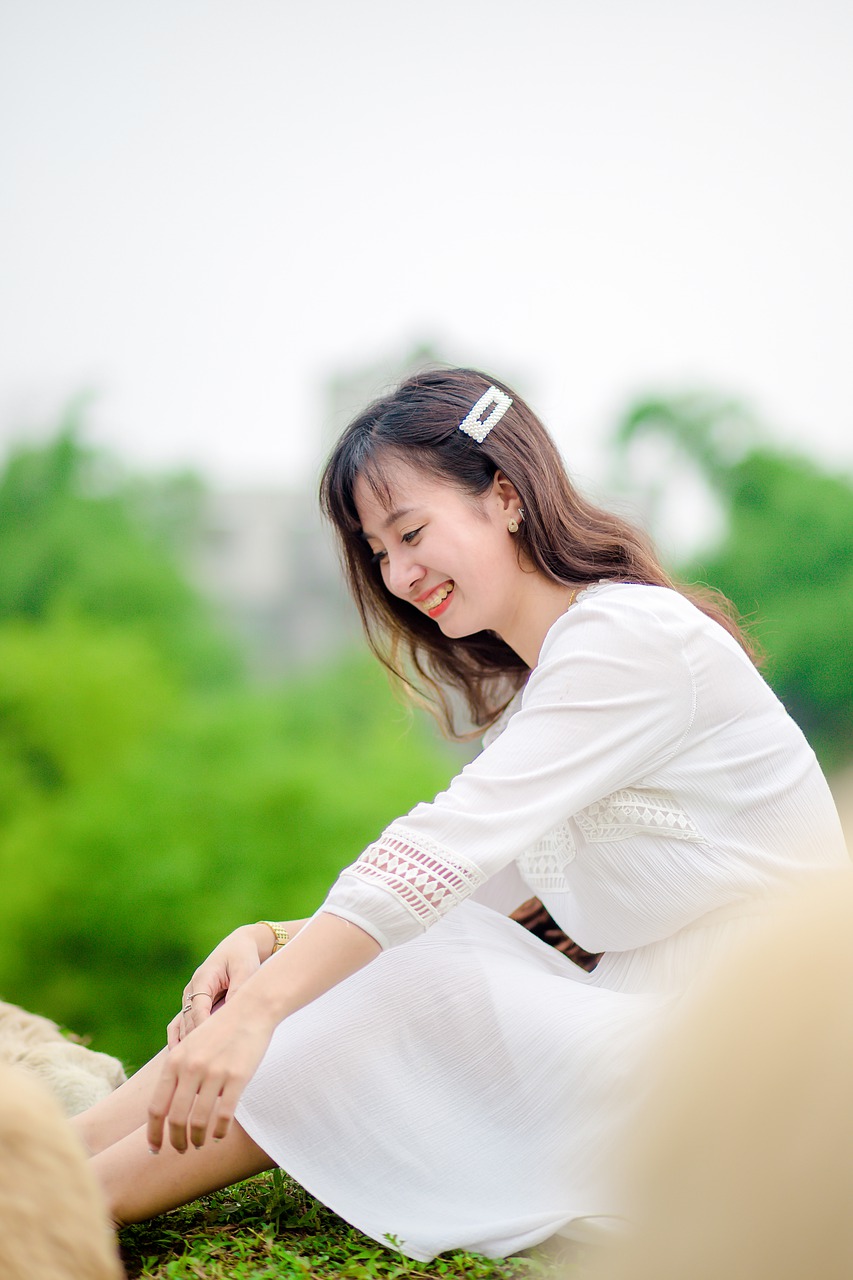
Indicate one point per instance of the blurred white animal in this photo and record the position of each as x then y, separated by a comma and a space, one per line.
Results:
53, 1222
743, 1165
78, 1077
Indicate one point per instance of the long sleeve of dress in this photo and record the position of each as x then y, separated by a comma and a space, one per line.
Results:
610, 700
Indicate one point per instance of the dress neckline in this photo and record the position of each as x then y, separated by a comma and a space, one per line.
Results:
578, 594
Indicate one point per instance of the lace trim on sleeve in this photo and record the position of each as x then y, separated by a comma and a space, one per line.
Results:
426, 879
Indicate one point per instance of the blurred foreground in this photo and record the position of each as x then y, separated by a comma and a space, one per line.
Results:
741, 1164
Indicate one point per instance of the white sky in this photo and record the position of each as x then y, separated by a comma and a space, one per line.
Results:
209, 206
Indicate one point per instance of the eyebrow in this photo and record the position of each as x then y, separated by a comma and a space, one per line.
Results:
394, 516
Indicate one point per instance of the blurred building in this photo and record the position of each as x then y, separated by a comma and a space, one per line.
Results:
267, 561
266, 558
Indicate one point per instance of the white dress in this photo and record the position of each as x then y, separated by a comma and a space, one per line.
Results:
470, 1087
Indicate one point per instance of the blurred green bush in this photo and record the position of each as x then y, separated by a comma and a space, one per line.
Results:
150, 798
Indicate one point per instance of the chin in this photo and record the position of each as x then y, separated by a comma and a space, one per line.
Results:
451, 629
457, 630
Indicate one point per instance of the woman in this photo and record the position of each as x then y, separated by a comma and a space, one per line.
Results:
415, 1058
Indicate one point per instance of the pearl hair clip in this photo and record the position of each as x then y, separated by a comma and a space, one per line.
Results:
477, 427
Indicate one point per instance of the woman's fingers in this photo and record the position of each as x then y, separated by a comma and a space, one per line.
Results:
213, 1110
195, 1009
158, 1107
171, 1103
203, 1106
190, 1110
203, 1076
228, 1099
197, 1006
188, 1094
193, 1100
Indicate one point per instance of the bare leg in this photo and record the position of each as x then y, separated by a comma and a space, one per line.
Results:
138, 1185
123, 1111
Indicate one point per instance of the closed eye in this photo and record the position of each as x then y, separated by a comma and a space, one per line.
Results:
408, 538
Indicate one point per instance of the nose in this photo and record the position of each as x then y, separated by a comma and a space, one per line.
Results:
402, 572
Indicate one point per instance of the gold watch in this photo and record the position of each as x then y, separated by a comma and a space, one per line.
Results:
282, 937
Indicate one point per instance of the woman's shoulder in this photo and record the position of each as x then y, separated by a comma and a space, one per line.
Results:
620, 637
625, 613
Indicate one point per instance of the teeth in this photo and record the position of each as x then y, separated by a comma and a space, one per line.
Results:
435, 600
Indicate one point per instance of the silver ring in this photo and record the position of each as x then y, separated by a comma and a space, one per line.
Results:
195, 995
187, 1008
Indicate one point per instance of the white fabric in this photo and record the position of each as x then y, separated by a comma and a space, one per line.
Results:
468, 1089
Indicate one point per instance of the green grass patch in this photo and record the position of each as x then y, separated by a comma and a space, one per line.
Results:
269, 1228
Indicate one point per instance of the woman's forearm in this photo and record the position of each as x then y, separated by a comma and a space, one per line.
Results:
322, 952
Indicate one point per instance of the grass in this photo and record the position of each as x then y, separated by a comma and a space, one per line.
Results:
268, 1228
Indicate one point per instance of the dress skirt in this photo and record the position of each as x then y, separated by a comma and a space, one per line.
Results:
468, 1089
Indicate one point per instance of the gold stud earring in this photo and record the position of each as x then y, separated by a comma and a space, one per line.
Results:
512, 525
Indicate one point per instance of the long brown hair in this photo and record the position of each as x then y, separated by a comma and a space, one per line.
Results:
563, 535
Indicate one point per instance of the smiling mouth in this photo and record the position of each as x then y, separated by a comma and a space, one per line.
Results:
438, 597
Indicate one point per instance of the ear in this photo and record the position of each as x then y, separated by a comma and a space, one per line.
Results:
506, 493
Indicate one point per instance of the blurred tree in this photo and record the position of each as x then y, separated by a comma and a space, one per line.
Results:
75, 697
785, 558
78, 539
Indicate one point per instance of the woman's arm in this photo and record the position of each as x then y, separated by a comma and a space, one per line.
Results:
205, 1073
610, 702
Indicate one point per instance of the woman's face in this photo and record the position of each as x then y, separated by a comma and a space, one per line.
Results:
445, 553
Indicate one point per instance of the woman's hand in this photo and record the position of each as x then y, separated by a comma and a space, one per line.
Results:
228, 966
204, 1075
205, 1072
